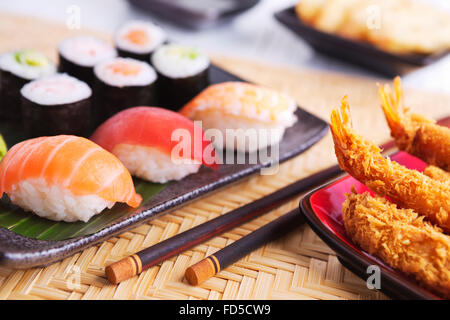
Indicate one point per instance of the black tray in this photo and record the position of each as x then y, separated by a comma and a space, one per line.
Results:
22, 252
356, 52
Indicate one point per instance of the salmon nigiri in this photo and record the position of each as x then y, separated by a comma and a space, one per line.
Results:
65, 178
156, 144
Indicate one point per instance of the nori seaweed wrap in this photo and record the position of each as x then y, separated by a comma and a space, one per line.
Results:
55, 105
183, 73
123, 83
138, 40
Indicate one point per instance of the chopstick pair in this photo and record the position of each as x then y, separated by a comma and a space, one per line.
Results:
210, 266
142, 260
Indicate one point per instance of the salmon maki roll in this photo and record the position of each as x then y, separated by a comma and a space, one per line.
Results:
249, 117
65, 178
156, 144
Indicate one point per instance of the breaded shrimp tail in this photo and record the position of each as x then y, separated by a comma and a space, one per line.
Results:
437, 174
408, 188
401, 238
413, 133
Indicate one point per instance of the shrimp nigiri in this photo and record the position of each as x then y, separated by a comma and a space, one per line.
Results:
247, 116
156, 144
65, 178
413, 133
408, 188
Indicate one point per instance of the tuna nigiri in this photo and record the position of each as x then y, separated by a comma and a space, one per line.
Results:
146, 141
249, 117
65, 178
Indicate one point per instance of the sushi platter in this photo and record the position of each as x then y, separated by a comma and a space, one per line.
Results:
40, 226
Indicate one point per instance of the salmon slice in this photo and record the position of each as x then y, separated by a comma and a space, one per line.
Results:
139, 37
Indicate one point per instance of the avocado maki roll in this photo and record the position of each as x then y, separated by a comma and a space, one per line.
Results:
182, 73
54, 105
138, 39
123, 83
78, 55
16, 69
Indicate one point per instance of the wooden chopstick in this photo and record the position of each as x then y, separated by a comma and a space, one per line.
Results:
142, 260
211, 265
151, 256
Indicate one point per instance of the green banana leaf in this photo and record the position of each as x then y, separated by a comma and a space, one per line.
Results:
30, 225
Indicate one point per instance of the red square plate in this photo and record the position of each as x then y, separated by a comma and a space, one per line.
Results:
323, 211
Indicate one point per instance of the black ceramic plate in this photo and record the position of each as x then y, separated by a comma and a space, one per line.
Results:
21, 252
322, 210
198, 14
356, 52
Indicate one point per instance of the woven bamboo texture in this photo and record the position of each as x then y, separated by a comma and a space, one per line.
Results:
298, 266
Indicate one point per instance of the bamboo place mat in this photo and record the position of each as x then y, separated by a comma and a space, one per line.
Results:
298, 266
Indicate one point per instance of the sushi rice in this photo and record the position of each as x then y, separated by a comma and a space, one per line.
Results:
56, 203
86, 51
56, 90
153, 165
177, 61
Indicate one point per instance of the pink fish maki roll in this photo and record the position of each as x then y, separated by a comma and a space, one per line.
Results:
156, 144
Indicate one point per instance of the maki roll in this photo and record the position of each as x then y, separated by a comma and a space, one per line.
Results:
143, 139
182, 73
58, 104
249, 117
78, 55
138, 39
16, 69
123, 83
65, 178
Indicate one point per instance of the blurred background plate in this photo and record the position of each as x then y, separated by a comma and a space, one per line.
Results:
197, 14
356, 52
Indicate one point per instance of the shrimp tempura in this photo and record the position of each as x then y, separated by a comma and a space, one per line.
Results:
408, 188
401, 238
413, 133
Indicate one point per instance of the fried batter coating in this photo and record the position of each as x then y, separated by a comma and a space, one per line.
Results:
408, 188
437, 174
413, 133
401, 238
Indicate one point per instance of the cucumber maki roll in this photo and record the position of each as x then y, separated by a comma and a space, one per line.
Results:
138, 39
58, 104
78, 55
123, 83
3, 148
182, 73
16, 69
